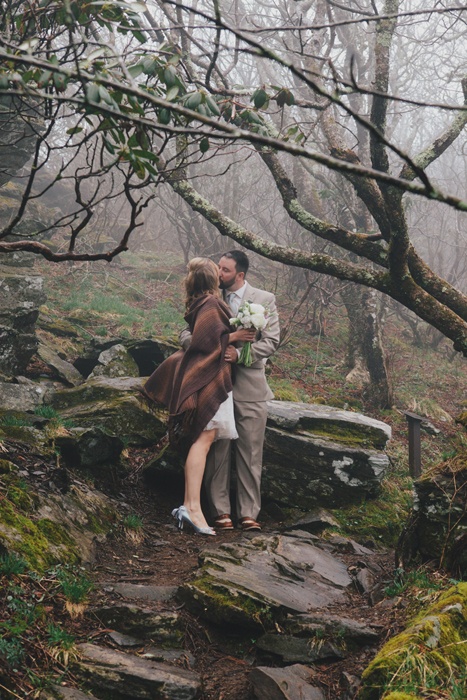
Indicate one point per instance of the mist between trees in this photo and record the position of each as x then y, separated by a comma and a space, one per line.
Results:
325, 136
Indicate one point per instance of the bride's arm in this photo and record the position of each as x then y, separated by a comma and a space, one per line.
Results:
184, 338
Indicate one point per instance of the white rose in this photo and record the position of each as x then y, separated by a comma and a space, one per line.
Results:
257, 309
258, 321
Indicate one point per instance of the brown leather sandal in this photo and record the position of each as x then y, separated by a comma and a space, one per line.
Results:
246, 524
223, 522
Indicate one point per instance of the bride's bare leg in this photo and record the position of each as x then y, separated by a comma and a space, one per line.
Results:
194, 472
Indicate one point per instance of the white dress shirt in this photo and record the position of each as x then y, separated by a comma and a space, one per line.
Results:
234, 299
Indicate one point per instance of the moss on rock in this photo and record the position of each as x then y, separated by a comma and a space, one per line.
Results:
27, 434
432, 650
55, 533
224, 604
56, 326
19, 494
342, 431
57, 528
19, 533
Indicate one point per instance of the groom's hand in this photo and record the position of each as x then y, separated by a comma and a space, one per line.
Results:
231, 354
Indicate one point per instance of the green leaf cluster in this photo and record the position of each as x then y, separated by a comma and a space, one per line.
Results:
202, 103
260, 98
285, 97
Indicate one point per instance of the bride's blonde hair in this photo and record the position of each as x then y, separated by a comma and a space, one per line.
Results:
202, 278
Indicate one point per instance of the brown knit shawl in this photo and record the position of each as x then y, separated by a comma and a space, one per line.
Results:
192, 384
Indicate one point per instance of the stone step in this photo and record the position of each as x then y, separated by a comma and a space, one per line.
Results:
315, 637
138, 591
142, 623
152, 652
289, 683
252, 584
114, 674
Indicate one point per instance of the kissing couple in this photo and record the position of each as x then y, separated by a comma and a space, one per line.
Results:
212, 399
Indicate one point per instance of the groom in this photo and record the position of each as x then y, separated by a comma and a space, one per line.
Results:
250, 394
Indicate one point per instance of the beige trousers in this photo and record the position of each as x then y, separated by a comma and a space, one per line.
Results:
250, 419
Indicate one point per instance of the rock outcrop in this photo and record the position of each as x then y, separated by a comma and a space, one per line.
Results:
258, 583
22, 294
115, 405
437, 527
320, 455
53, 522
431, 649
314, 455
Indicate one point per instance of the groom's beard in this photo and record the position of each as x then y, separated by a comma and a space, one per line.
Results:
225, 287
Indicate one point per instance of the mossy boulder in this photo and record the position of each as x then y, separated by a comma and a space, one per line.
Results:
431, 652
93, 391
304, 472
337, 457
20, 397
329, 423
47, 528
40, 541
437, 527
115, 405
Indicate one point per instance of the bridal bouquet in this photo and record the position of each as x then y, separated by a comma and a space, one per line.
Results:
249, 316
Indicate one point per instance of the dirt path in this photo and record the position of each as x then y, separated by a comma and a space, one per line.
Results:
165, 556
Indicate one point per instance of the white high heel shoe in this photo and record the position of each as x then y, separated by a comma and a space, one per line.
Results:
182, 516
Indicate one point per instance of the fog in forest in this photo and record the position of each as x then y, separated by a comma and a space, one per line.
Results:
317, 86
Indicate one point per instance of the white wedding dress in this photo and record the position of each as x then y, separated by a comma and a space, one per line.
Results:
224, 421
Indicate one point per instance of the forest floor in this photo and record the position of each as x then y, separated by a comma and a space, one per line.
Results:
163, 556
224, 658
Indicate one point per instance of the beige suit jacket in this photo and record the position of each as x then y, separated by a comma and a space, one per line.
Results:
250, 382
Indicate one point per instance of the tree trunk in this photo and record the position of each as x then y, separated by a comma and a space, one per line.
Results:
365, 355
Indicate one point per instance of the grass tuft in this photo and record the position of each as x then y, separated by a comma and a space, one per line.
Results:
12, 565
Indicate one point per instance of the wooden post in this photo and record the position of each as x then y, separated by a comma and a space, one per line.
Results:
415, 447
